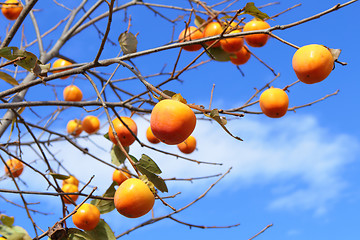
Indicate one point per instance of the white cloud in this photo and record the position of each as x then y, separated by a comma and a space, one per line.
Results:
298, 160
294, 153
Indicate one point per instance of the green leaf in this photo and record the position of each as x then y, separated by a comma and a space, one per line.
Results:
102, 231
30, 61
106, 135
128, 42
158, 182
147, 163
226, 18
218, 54
9, 79
14, 233
6, 220
254, 11
117, 156
167, 92
77, 234
214, 114
198, 21
59, 176
106, 206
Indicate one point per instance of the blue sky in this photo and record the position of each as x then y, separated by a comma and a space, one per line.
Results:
299, 172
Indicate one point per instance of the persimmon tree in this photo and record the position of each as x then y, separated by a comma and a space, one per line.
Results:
117, 89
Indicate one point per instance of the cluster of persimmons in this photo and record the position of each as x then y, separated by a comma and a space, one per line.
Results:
172, 122
311, 63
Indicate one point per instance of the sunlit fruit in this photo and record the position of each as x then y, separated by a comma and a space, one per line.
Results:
16, 167
192, 33
274, 102
241, 57
125, 136
74, 127
232, 45
70, 188
312, 63
212, 29
90, 124
71, 180
256, 40
11, 11
72, 93
188, 146
120, 176
86, 217
61, 63
133, 198
172, 122
151, 137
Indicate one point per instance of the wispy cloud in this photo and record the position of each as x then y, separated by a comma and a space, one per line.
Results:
298, 160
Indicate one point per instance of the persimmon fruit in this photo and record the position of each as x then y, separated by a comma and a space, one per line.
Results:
61, 63
120, 176
16, 167
274, 102
72, 93
232, 45
212, 29
241, 57
70, 188
71, 180
133, 198
256, 40
74, 127
312, 63
86, 217
11, 11
151, 137
188, 146
90, 124
125, 136
172, 122
192, 33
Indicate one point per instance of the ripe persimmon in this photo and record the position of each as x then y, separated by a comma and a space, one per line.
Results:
192, 33
232, 45
70, 188
90, 124
312, 63
74, 127
241, 56
212, 29
71, 180
188, 146
151, 137
16, 167
125, 136
256, 40
172, 121
61, 63
120, 176
86, 217
133, 198
11, 11
72, 93
274, 102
